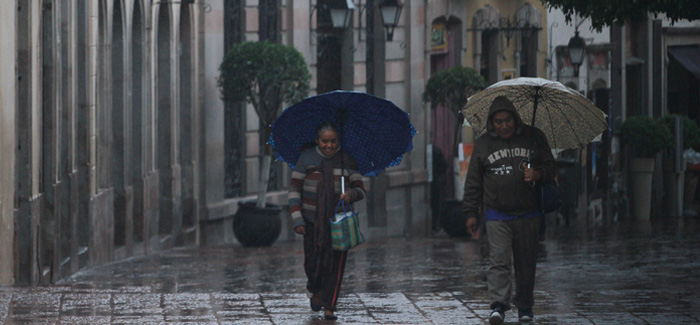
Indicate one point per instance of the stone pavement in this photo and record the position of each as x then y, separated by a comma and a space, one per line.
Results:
646, 273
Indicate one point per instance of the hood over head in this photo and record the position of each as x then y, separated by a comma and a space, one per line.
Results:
502, 103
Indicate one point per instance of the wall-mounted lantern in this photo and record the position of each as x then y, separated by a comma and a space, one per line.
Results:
391, 13
341, 13
335, 14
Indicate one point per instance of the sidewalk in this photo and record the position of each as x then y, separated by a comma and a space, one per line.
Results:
620, 275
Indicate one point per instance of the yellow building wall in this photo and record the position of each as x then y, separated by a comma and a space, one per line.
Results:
507, 9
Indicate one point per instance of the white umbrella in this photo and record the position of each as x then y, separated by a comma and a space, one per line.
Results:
567, 118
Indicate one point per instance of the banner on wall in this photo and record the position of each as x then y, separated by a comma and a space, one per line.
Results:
465, 156
438, 38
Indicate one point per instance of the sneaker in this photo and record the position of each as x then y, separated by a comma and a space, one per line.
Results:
525, 315
497, 316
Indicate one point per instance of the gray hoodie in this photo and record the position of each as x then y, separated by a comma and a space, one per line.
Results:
495, 177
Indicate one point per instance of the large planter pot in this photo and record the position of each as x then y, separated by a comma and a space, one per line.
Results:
452, 219
641, 172
255, 226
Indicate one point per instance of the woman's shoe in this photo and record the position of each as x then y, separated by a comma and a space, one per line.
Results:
314, 306
328, 315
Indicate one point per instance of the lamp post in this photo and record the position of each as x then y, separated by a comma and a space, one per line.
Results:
577, 48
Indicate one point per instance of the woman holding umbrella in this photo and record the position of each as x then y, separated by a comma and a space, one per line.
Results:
353, 134
314, 193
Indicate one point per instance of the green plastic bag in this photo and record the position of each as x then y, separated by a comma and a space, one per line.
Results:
345, 229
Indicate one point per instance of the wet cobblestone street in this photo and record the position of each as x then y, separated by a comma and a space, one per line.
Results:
624, 274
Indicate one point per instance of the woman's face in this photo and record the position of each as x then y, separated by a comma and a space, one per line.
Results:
328, 142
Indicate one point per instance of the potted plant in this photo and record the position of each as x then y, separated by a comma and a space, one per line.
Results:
646, 137
451, 88
265, 75
691, 131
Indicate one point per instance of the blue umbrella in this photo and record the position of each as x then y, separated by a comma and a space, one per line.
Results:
374, 131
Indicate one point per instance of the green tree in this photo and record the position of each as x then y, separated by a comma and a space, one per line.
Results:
265, 75
608, 12
451, 88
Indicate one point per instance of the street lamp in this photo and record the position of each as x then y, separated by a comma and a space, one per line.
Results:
391, 12
577, 47
341, 12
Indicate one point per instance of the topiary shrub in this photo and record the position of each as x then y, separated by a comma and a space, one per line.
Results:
646, 136
691, 131
265, 75
451, 88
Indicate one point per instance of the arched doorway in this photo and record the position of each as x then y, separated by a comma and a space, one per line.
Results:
102, 227
487, 44
118, 96
48, 129
138, 166
82, 134
528, 44
169, 218
187, 125
334, 55
446, 45
66, 112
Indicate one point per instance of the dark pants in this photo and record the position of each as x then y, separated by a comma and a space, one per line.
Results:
436, 200
324, 269
513, 246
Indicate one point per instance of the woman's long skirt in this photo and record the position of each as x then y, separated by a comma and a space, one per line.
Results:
324, 269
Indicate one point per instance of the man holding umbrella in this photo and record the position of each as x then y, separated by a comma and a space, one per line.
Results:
507, 161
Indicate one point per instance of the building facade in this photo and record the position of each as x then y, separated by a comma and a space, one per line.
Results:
357, 57
498, 39
117, 143
101, 113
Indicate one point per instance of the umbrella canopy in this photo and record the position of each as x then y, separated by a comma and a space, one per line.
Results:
374, 131
567, 118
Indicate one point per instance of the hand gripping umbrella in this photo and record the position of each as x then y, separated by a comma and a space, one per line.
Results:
567, 118
374, 131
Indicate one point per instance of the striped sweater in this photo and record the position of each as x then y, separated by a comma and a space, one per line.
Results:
305, 178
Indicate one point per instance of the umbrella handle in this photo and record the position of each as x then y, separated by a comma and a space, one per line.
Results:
342, 184
533, 182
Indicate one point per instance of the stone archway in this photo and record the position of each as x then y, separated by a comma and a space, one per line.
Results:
529, 20
81, 179
163, 118
118, 152
169, 216
136, 152
188, 124
48, 121
446, 52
